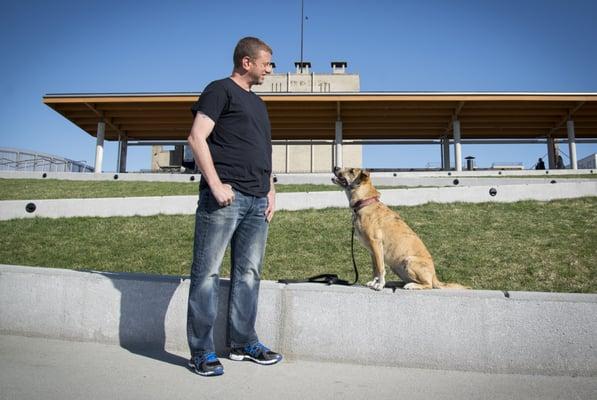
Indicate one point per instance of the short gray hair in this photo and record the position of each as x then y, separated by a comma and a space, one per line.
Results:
249, 47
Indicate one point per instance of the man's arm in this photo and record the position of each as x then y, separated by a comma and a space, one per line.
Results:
271, 200
200, 131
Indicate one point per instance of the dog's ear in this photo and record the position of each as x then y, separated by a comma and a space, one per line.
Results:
365, 173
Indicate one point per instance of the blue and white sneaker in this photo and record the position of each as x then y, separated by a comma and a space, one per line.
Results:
257, 353
206, 365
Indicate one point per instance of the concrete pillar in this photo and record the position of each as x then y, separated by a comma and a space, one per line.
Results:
312, 157
338, 143
551, 153
287, 167
572, 144
99, 147
446, 154
333, 156
457, 146
122, 152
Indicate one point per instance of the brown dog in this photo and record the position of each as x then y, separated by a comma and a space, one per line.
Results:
387, 237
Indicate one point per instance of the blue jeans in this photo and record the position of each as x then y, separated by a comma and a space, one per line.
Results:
243, 225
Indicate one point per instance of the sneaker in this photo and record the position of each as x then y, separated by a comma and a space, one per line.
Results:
257, 353
206, 365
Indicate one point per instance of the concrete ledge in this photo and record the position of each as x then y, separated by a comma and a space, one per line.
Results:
131, 206
99, 207
104, 176
531, 333
385, 178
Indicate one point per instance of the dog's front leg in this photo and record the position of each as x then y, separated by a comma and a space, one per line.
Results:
379, 269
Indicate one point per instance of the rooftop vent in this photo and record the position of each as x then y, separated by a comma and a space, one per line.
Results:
339, 67
306, 66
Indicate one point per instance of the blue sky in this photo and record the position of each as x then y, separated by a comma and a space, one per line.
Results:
180, 46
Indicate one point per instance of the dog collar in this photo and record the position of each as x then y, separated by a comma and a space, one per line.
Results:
365, 202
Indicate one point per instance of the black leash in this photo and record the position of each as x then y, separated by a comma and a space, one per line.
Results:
330, 279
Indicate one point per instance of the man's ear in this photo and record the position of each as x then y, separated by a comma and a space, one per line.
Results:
246, 63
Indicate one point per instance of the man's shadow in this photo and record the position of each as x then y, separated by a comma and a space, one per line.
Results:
144, 303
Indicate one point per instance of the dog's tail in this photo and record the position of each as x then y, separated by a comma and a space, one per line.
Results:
437, 284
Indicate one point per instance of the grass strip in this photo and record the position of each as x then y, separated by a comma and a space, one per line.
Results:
529, 246
36, 189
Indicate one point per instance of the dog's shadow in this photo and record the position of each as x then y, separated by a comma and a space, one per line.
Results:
394, 285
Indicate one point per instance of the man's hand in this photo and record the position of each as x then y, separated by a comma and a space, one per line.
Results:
271, 205
223, 194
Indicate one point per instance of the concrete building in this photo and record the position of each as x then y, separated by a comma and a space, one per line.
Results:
303, 80
297, 156
167, 160
588, 162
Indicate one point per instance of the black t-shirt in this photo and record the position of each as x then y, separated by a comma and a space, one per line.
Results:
240, 143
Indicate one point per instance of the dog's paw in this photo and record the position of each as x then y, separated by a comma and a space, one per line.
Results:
414, 286
376, 284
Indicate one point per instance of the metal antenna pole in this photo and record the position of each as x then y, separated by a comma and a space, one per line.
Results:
302, 23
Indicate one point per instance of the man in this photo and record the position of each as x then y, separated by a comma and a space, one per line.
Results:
540, 164
560, 162
231, 142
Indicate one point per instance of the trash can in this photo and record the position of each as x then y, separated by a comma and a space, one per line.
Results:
470, 163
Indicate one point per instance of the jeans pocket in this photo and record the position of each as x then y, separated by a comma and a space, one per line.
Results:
208, 202
262, 205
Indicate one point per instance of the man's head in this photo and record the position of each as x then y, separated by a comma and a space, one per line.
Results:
253, 57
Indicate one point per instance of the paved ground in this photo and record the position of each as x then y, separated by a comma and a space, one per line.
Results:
34, 368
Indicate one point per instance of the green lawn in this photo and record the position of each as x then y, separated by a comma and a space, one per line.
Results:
37, 189
534, 246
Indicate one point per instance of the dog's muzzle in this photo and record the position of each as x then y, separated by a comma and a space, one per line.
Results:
338, 180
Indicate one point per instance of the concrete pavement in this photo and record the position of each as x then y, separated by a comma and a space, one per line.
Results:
38, 368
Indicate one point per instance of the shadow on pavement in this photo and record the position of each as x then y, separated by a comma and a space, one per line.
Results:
144, 303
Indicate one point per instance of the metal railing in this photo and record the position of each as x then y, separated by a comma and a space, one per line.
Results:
19, 160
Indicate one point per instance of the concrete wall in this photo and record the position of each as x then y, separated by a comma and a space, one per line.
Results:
493, 331
299, 158
292, 158
130, 206
418, 176
309, 82
102, 207
323, 159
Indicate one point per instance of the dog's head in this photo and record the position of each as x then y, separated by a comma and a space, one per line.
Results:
350, 178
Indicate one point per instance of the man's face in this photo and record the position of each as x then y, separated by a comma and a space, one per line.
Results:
260, 67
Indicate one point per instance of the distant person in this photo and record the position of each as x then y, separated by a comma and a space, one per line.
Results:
231, 143
559, 162
540, 164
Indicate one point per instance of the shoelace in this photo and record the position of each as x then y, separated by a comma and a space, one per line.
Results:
256, 349
209, 357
